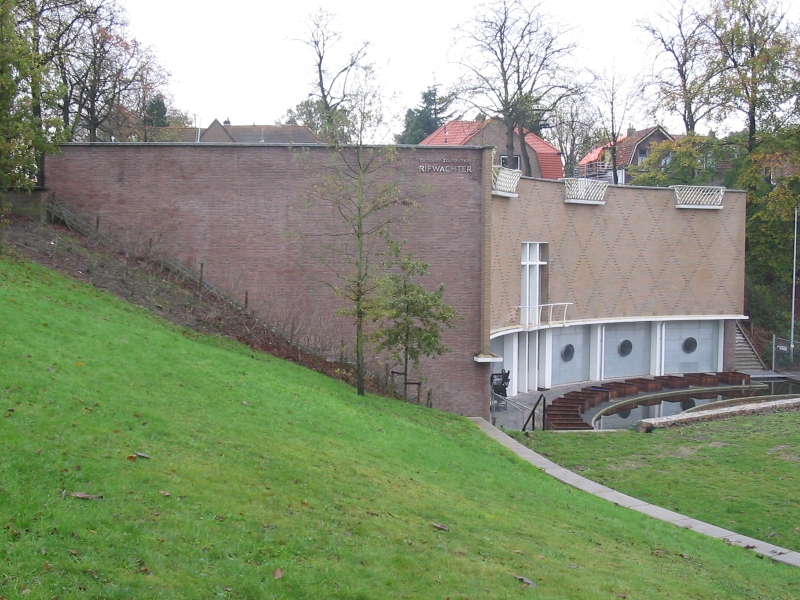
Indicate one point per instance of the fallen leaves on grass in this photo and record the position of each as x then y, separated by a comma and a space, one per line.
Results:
277, 573
525, 580
163, 493
440, 527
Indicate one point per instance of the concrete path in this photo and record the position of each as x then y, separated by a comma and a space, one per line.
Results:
776, 553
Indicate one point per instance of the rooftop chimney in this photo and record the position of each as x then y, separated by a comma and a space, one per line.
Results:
631, 130
226, 122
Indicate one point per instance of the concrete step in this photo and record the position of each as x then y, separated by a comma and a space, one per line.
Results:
746, 357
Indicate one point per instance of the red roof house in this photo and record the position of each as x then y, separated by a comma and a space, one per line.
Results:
632, 149
545, 158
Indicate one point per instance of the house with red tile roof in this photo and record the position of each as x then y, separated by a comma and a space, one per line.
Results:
632, 150
545, 159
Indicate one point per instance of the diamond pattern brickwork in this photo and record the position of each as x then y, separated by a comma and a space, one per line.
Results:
636, 256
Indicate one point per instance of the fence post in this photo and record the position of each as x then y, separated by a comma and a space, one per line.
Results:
200, 281
774, 346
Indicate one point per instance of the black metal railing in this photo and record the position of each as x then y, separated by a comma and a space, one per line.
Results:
532, 417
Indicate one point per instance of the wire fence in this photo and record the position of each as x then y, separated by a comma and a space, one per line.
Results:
510, 414
785, 356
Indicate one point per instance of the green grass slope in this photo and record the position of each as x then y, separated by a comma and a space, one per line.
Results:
266, 480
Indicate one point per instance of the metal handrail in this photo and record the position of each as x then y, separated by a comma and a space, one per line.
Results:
537, 320
531, 418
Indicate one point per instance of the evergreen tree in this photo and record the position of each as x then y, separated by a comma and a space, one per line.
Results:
156, 112
431, 114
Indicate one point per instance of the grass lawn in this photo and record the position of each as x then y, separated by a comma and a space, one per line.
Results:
741, 473
266, 480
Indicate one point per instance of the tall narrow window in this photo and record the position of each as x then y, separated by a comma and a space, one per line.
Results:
533, 264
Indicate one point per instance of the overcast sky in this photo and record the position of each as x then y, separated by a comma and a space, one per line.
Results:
241, 60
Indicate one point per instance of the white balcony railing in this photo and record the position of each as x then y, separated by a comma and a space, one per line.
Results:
505, 180
584, 191
697, 196
544, 315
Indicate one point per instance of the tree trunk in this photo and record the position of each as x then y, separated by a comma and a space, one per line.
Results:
509, 144
523, 150
360, 292
614, 177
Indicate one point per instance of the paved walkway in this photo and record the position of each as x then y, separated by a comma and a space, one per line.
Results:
776, 553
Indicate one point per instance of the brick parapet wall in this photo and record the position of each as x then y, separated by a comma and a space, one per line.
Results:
256, 217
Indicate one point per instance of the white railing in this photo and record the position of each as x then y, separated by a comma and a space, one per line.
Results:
698, 196
595, 170
544, 315
505, 180
584, 190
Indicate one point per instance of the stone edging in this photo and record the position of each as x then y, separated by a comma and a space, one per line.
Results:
718, 413
771, 551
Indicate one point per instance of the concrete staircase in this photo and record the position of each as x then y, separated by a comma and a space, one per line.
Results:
747, 358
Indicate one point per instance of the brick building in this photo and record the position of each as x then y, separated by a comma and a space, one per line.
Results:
555, 281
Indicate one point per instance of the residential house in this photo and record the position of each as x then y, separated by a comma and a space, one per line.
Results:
545, 159
632, 150
225, 133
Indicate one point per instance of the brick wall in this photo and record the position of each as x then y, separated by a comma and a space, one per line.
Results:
257, 218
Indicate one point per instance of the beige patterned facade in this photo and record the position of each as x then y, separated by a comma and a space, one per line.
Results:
637, 256
638, 286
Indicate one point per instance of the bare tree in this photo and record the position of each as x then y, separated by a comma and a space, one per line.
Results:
615, 97
325, 112
686, 81
574, 130
514, 63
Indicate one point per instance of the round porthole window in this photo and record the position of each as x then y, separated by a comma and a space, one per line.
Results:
625, 347
687, 404
689, 345
625, 413
568, 353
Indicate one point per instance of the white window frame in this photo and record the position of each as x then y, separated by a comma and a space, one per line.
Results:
530, 299
517, 161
